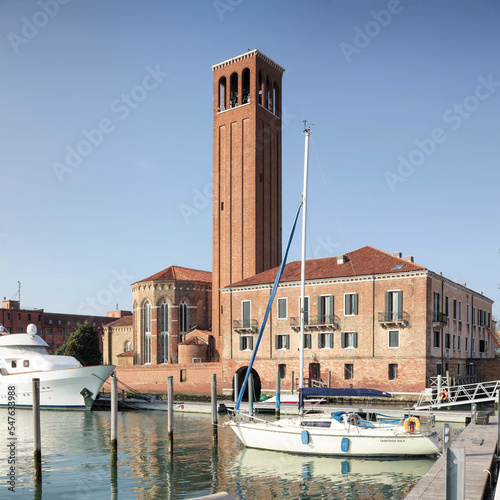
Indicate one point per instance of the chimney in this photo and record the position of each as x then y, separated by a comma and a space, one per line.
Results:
409, 258
341, 259
397, 254
464, 284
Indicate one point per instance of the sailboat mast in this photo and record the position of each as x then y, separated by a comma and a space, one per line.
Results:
307, 130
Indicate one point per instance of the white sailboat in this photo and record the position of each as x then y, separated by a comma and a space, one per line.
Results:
337, 434
64, 382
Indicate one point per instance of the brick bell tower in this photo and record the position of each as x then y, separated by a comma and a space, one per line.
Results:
247, 171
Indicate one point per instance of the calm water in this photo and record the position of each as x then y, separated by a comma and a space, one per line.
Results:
75, 451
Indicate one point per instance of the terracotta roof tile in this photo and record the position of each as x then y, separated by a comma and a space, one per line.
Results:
127, 354
176, 273
124, 321
364, 261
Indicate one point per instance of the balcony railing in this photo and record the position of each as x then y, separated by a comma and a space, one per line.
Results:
245, 326
439, 320
400, 318
313, 321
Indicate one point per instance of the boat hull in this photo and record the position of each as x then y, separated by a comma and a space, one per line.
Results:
331, 442
68, 388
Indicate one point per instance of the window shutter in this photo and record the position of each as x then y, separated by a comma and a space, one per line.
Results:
331, 310
241, 343
320, 311
355, 339
387, 306
308, 340
400, 302
347, 304
355, 304
276, 342
287, 341
330, 340
342, 340
250, 343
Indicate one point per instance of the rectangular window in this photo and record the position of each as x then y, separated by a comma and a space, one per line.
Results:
349, 340
350, 304
473, 315
306, 309
393, 306
482, 346
59, 332
183, 375
282, 341
459, 310
437, 339
446, 306
48, 331
454, 342
454, 308
459, 343
489, 320
307, 341
437, 305
29, 317
393, 338
325, 310
473, 345
13, 364
282, 308
393, 371
325, 340
467, 314
348, 371
26, 363
447, 341
466, 344
246, 309
246, 343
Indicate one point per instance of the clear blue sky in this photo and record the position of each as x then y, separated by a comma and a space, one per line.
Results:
404, 97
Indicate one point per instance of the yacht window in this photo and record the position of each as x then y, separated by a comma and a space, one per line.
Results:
13, 364
26, 363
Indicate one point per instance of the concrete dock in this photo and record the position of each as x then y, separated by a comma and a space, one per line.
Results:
478, 461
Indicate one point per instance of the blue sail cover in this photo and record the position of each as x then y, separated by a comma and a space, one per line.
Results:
325, 392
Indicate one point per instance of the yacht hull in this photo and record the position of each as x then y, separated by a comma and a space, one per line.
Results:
66, 388
288, 437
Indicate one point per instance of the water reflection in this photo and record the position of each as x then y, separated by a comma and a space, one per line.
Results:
76, 463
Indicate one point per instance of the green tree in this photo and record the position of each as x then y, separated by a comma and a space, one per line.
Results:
83, 345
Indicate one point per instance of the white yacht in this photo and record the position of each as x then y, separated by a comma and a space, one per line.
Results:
64, 382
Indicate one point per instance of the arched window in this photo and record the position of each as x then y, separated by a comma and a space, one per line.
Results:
261, 90
127, 346
183, 323
147, 333
246, 86
268, 94
164, 332
276, 109
222, 94
234, 90
164, 317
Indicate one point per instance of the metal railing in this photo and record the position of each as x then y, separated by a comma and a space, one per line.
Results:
245, 326
439, 319
313, 320
394, 317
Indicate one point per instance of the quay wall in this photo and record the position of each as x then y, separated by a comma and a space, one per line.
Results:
192, 378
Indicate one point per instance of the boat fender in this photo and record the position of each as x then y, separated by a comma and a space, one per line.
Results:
344, 467
412, 424
443, 395
344, 445
305, 437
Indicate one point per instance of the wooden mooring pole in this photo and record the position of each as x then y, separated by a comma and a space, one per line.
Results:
170, 427
37, 435
114, 420
214, 406
250, 393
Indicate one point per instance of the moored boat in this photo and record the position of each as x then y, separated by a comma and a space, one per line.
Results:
64, 382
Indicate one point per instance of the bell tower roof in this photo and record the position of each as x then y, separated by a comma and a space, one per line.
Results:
246, 55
